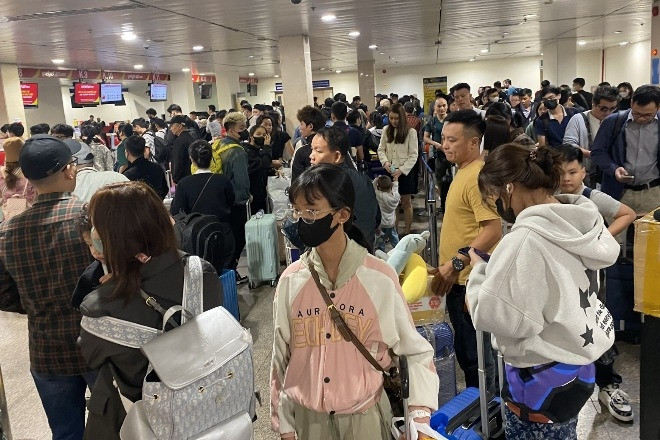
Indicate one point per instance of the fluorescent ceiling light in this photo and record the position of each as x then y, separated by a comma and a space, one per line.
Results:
185, 69
328, 17
138, 66
128, 36
373, 46
382, 53
198, 48
57, 61
618, 32
624, 43
338, 71
471, 59
277, 76
250, 56
582, 43
251, 74
354, 34
484, 51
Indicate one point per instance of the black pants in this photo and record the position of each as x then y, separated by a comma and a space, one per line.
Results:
465, 341
237, 221
605, 374
443, 176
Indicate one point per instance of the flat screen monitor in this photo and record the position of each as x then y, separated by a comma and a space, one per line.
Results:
86, 93
158, 92
111, 93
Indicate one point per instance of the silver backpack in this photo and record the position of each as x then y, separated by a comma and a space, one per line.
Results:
200, 380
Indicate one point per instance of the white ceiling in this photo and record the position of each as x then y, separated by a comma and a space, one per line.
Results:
242, 35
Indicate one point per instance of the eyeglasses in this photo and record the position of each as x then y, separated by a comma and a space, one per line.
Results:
607, 109
643, 115
308, 216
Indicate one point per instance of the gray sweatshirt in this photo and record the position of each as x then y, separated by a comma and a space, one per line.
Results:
538, 294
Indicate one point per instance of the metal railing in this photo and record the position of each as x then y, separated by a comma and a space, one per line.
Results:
5, 430
431, 251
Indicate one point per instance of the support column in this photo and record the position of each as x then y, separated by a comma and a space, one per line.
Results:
296, 71
183, 91
560, 61
367, 82
11, 100
228, 86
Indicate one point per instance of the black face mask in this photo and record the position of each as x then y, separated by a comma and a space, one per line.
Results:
550, 104
318, 232
244, 135
507, 214
259, 141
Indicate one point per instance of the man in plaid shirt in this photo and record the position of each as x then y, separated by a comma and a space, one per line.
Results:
42, 252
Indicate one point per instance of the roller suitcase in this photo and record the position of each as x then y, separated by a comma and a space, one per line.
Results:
441, 338
262, 253
230, 292
461, 418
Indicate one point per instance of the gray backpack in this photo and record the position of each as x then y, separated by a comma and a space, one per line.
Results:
200, 379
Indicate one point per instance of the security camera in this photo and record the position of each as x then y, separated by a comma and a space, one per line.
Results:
146, 46
296, 2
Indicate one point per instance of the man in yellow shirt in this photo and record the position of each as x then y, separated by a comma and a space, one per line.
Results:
467, 222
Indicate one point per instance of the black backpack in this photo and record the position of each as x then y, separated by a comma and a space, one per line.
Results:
207, 237
163, 151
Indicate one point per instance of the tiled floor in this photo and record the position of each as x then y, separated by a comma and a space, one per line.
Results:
28, 420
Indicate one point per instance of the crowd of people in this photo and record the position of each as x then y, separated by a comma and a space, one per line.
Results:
569, 169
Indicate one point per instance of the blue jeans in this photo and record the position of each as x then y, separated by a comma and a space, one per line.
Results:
465, 340
388, 234
63, 398
517, 429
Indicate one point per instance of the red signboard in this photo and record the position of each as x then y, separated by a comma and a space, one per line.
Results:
30, 92
25, 73
87, 93
249, 80
203, 78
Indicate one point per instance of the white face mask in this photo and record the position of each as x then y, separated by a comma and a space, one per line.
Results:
624, 95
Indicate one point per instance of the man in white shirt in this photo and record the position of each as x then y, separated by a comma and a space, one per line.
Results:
89, 179
141, 127
581, 130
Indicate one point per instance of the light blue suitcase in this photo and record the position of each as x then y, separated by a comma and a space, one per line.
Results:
262, 249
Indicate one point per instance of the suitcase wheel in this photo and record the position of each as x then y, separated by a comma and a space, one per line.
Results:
273, 283
252, 285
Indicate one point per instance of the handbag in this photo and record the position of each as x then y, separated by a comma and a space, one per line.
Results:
391, 378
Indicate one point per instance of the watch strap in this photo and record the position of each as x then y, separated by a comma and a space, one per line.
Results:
419, 414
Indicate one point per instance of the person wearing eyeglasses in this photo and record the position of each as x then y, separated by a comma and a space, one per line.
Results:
551, 127
626, 149
581, 131
42, 252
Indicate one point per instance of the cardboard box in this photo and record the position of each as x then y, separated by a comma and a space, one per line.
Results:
647, 266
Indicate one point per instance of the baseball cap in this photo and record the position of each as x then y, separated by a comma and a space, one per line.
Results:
42, 156
88, 159
79, 150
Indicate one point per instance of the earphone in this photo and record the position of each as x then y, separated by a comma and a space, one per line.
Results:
508, 188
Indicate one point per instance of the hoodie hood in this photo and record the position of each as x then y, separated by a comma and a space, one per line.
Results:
574, 225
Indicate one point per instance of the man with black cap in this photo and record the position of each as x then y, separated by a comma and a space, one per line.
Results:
180, 155
42, 251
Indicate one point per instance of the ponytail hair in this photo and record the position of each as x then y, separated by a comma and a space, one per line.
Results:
332, 183
534, 168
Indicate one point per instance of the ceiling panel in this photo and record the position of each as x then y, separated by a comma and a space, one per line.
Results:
243, 35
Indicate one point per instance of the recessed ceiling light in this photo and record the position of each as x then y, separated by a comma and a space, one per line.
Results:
530, 16
338, 71
198, 48
57, 61
138, 66
624, 43
505, 33
373, 46
250, 56
541, 53
471, 59
484, 51
382, 53
185, 69
251, 74
328, 17
618, 32
277, 76
582, 43
128, 36
354, 34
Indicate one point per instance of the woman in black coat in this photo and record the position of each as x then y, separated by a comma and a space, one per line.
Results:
259, 165
141, 254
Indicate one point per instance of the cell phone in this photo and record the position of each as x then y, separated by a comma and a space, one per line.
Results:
465, 251
628, 177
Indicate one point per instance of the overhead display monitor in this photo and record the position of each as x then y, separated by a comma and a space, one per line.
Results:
158, 92
86, 93
111, 93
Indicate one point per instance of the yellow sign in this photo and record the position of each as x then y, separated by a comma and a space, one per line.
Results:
431, 86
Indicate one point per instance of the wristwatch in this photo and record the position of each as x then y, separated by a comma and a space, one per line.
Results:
419, 414
458, 264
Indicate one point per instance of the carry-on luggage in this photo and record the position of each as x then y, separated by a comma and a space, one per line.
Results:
230, 292
620, 292
462, 417
206, 237
262, 253
441, 338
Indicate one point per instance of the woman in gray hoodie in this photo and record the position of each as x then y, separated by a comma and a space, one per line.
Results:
538, 293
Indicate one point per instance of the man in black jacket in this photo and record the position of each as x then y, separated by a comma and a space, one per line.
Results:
180, 156
141, 168
311, 120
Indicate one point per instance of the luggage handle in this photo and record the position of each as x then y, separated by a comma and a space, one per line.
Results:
484, 396
405, 393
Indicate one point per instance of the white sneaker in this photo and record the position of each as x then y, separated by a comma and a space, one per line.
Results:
616, 402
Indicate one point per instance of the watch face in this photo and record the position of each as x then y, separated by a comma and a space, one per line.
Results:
458, 264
